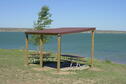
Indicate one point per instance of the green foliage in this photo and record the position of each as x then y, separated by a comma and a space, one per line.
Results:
108, 61
43, 22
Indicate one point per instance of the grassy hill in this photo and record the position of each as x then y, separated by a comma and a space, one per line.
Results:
13, 71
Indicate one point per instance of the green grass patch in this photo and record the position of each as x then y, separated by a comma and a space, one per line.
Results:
13, 71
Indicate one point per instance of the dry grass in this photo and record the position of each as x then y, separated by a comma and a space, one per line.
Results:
95, 69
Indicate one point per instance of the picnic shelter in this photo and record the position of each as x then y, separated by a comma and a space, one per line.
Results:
59, 32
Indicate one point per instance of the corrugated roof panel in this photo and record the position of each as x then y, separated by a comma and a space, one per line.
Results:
61, 30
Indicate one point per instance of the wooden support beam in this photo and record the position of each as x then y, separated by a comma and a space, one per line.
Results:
58, 52
41, 50
92, 48
26, 50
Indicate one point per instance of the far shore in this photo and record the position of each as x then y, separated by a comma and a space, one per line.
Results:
30, 29
15, 29
110, 31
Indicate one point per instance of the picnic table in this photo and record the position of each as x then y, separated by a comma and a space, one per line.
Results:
73, 59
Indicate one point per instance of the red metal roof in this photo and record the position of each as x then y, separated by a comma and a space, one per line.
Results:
61, 30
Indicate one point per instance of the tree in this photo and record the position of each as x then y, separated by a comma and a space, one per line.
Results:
43, 22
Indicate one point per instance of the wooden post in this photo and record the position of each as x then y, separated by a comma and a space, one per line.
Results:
92, 48
41, 50
58, 52
26, 51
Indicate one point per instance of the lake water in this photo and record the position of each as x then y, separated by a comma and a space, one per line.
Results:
107, 46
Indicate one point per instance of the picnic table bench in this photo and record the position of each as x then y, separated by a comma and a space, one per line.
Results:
73, 59
33, 56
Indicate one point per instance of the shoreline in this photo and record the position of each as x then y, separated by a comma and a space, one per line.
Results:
111, 31
15, 29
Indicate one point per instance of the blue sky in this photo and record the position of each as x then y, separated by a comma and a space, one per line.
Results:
102, 14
